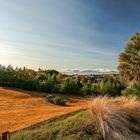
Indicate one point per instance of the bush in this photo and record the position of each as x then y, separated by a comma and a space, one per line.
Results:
132, 90
59, 101
50, 98
55, 100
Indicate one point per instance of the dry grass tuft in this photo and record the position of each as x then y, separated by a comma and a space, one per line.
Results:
116, 118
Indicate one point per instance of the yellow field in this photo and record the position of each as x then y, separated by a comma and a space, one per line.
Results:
19, 108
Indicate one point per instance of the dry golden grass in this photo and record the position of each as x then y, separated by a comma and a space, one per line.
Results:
19, 108
116, 118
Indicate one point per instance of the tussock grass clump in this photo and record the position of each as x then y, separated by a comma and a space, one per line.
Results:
116, 118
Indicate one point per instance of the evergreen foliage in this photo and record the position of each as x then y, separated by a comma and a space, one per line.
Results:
52, 81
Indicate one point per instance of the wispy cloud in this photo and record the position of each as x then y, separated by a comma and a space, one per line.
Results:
63, 33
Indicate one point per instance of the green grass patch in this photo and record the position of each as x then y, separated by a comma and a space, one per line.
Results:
77, 126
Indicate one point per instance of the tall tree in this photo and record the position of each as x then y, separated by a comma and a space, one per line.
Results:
129, 67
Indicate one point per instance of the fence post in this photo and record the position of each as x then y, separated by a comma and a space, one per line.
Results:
6, 135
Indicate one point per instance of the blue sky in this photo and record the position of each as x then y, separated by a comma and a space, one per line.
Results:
66, 34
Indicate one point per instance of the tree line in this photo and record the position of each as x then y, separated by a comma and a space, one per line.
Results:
52, 81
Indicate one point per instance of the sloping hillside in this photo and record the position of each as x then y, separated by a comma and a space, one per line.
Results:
75, 126
20, 109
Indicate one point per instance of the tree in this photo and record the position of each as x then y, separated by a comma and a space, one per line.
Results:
129, 67
85, 89
70, 86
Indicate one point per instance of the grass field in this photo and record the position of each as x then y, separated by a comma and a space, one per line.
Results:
20, 108
70, 127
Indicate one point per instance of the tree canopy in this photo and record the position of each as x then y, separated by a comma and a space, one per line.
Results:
129, 67
56, 82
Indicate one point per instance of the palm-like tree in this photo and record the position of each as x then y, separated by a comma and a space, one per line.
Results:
129, 67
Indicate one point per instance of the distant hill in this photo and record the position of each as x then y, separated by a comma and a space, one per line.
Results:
90, 72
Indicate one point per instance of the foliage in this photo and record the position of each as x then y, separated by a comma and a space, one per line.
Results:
50, 98
111, 87
52, 81
55, 100
70, 85
131, 90
59, 101
129, 67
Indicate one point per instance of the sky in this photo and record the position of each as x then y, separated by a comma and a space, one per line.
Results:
66, 34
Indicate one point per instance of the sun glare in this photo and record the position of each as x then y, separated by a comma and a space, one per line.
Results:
3, 50
4, 54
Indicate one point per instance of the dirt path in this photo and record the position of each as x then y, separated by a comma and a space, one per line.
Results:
19, 109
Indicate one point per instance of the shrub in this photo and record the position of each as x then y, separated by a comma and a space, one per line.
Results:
132, 90
50, 98
55, 100
59, 101
116, 118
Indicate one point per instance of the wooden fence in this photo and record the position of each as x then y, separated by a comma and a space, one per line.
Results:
5, 136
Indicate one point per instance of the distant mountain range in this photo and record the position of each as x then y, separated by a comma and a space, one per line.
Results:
90, 72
